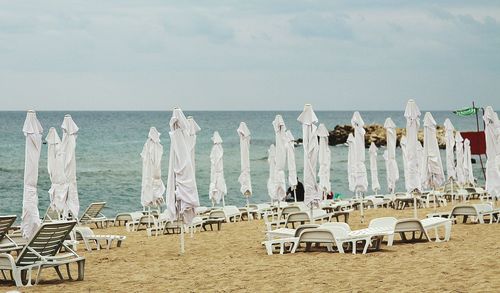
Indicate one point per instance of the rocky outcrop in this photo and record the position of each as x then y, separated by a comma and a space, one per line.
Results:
376, 133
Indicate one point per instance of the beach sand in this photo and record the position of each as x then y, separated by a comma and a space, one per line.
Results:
234, 260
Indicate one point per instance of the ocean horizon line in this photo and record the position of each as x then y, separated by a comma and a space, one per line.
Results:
232, 110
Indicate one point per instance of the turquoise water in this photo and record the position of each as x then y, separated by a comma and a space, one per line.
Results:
109, 143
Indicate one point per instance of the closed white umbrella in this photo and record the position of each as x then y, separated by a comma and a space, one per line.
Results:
182, 193
193, 129
312, 194
450, 144
433, 167
413, 180
280, 160
492, 134
70, 131
55, 167
152, 188
324, 160
244, 179
391, 164
33, 132
459, 169
290, 156
350, 162
469, 175
373, 168
218, 188
271, 160
359, 167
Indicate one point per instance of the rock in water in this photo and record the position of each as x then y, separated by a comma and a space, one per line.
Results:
376, 133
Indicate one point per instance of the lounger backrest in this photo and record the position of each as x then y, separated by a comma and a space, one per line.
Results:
217, 214
50, 215
287, 210
383, 222
464, 210
47, 241
5, 224
92, 211
408, 225
483, 207
297, 217
263, 206
147, 219
303, 227
200, 210
342, 225
319, 213
480, 190
231, 211
316, 235
337, 232
84, 231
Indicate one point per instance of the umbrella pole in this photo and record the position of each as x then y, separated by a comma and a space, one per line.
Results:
414, 205
362, 208
295, 193
223, 202
279, 215
182, 235
434, 193
248, 208
311, 214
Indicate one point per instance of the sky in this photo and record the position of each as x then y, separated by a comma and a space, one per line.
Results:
248, 55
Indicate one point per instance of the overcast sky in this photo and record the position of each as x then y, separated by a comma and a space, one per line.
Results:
255, 55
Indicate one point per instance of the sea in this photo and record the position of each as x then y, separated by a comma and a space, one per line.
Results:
109, 144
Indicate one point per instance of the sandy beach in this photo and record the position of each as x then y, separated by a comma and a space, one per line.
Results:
234, 260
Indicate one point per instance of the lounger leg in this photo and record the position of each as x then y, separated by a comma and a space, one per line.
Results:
340, 247
58, 271
390, 240
437, 236
447, 229
367, 243
269, 247
81, 269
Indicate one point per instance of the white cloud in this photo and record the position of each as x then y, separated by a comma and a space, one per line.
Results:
278, 52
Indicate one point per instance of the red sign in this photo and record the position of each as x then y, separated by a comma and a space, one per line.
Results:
477, 142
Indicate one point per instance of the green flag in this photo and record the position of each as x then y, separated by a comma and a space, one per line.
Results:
466, 111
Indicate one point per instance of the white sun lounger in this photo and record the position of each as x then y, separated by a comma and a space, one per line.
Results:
93, 215
42, 251
88, 237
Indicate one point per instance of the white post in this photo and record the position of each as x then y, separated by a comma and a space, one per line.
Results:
295, 193
362, 208
248, 209
279, 215
414, 205
223, 202
452, 194
311, 220
182, 235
